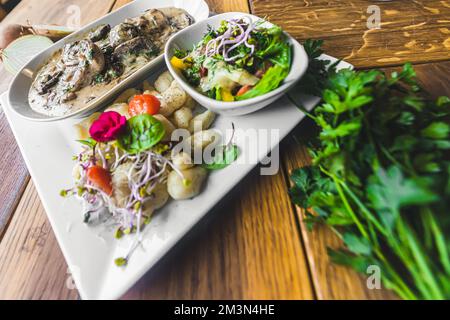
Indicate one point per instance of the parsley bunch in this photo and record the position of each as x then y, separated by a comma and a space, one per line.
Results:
380, 178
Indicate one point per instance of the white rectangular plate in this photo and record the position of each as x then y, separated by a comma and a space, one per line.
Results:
90, 251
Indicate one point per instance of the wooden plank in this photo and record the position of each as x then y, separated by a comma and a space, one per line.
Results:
13, 173
28, 249
415, 31
331, 281
250, 249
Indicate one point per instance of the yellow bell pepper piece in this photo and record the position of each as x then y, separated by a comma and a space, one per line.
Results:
178, 63
227, 96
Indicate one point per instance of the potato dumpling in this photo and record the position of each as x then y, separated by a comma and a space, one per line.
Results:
203, 139
202, 121
82, 128
187, 186
146, 86
126, 95
168, 126
121, 190
153, 93
190, 103
182, 161
182, 117
121, 108
163, 82
159, 197
172, 99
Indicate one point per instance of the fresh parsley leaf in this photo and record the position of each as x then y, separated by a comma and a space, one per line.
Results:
357, 244
391, 190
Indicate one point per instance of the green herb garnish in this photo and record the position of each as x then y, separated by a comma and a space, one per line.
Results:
225, 156
91, 143
121, 262
142, 133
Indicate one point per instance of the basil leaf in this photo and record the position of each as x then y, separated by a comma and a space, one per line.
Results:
224, 158
142, 133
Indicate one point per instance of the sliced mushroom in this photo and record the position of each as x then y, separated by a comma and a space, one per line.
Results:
121, 33
100, 32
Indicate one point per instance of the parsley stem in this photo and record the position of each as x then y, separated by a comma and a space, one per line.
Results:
349, 209
439, 239
301, 107
364, 209
422, 263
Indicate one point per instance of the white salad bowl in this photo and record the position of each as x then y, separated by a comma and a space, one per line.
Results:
187, 38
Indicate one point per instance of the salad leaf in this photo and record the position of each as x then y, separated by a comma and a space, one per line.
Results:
269, 82
224, 158
142, 133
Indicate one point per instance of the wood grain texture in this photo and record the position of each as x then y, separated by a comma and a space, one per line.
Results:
331, 281
415, 31
31, 263
13, 173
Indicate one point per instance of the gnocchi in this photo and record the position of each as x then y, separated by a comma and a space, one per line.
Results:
188, 185
182, 117
172, 99
126, 95
202, 121
169, 175
163, 82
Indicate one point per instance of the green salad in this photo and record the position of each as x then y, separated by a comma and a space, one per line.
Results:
239, 60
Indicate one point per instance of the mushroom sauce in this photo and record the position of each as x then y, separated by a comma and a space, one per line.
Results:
85, 70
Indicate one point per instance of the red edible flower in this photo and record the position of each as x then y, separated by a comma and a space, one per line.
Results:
107, 127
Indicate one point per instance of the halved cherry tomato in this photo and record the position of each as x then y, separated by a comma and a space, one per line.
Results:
144, 103
244, 90
100, 178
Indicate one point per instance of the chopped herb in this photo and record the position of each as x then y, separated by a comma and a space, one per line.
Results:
121, 262
225, 156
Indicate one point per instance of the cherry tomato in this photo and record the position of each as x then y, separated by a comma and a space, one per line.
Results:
244, 90
100, 178
144, 103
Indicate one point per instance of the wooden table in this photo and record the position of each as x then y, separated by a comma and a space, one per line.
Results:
254, 245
